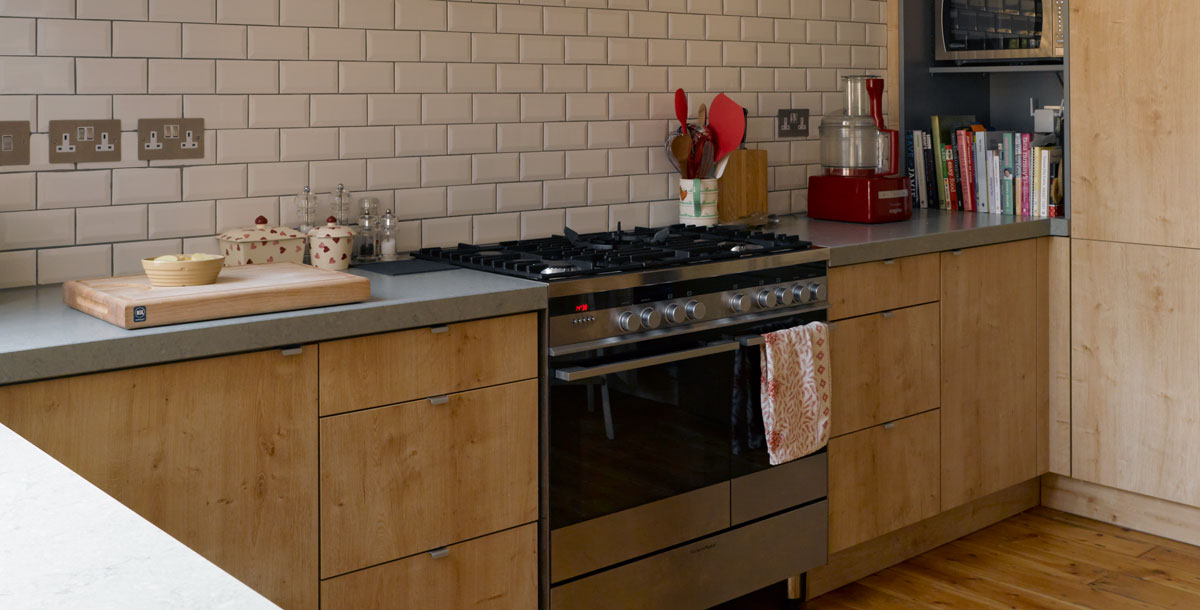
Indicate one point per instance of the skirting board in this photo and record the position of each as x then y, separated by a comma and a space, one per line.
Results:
862, 560
1124, 508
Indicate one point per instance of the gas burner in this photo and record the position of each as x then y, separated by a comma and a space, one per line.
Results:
558, 267
746, 247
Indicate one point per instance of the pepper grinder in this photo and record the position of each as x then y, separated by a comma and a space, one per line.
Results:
368, 241
341, 205
388, 229
306, 208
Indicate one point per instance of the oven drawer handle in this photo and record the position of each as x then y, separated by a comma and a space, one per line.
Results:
752, 340
579, 373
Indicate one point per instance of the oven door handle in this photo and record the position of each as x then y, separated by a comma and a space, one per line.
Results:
579, 373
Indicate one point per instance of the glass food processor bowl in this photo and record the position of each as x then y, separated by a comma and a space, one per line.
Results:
852, 142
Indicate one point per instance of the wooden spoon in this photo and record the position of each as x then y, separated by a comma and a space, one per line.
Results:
681, 148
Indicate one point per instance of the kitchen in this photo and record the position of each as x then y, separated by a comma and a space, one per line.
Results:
539, 409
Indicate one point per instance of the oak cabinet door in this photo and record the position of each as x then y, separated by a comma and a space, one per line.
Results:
989, 370
865, 288
220, 453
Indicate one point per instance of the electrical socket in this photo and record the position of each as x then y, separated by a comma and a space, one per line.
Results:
79, 141
173, 138
14, 142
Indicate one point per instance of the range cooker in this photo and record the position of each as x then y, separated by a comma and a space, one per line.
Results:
659, 495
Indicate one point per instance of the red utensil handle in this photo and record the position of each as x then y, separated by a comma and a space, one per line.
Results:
894, 161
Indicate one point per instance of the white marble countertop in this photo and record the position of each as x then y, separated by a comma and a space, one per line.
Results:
64, 544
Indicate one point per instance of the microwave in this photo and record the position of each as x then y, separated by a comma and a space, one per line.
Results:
999, 30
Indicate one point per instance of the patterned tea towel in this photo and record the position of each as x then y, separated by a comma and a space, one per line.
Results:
796, 391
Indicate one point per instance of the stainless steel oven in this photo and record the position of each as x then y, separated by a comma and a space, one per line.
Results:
998, 30
659, 495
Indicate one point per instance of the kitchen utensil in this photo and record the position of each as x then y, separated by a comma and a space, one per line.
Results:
366, 244
261, 244
702, 116
669, 145
720, 171
306, 209
342, 200
130, 302
681, 150
743, 184
857, 185
728, 124
681, 108
331, 246
389, 230
182, 272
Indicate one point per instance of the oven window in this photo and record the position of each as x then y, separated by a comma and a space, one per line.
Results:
625, 439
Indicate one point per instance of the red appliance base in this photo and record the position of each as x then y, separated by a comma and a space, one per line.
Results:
850, 199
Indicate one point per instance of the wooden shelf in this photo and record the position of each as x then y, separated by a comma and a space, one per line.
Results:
998, 68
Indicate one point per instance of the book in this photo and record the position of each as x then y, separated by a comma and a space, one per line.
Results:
1026, 160
994, 180
981, 186
919, 162
1048, 176
951, 177
1007, 165
944, 126
1017, 174
932, 185
1035, 190
965, 173
910, 170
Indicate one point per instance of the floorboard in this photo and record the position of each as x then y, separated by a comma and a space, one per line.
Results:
1041, 559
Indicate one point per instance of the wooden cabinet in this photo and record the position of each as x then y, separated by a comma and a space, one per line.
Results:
384, 369
496, 572
1136, 368
885, 366
882, 478
1134, 122
989, 376
220, 453
855, 290
412, 477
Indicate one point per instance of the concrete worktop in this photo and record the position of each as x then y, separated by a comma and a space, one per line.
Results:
66, 544
40, 337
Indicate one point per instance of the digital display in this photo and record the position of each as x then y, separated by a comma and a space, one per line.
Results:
583, 307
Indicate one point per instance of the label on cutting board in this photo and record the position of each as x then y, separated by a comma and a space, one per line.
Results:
793, 123
139, 314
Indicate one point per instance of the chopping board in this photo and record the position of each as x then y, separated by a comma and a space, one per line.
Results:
743, 186
131, 302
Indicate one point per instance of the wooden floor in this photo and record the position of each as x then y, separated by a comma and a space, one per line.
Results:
1041, 559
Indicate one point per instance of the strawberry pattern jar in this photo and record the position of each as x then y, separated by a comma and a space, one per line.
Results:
331, 246
261, 245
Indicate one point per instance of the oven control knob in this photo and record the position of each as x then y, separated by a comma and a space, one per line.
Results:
629, 322
695, 310
675, 313
650, 318
766, 299
783, 296
737, 303
816, 291
800, 293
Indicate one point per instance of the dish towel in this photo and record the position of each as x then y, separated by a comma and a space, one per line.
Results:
796, 391
746, 416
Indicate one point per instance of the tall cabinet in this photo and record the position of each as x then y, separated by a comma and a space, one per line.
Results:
1135, 266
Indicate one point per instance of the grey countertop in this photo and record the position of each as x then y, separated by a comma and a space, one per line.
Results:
40, 337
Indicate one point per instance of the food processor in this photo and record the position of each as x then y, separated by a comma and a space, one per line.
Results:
861, 157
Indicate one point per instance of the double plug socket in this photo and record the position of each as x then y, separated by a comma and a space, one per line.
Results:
85, 141
175, 138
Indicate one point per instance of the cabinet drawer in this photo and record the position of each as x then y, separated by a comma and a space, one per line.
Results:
882, 479
393, 367
890, 284
411, 477
496, 572
885, 366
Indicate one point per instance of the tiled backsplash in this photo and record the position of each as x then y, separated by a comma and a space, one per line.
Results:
474, 121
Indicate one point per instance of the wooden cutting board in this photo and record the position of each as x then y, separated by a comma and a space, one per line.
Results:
131, 302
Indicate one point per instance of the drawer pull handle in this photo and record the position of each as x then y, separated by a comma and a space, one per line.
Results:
292, 351
437, 330
889, 425
888, 314
439, 553
889, 261
956, 252
439, 400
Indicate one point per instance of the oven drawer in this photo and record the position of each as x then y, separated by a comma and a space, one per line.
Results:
708, 571
883, 478
885, 367
855, 290
496, 572
412, 477
388, 368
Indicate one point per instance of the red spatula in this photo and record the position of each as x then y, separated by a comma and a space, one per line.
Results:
681, 108
727, 122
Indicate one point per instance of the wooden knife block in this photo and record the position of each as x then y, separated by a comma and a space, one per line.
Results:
742, 189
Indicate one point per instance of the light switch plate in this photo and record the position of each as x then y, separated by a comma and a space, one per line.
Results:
88, 140
14, 142
174, 138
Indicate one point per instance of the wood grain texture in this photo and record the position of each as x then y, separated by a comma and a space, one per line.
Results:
1054, 355
1151, 75
1135, 361
882, 479
239, 291
989, 377
874, 555
1123, 508
220, 453
742, 189
416, 476
855, 290
885, 366
496, 572
424, 362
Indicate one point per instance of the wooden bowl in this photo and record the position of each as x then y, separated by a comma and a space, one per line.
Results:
182, 273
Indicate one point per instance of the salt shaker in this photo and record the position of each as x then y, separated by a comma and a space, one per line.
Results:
388, 229
306, 208
367, 245
341, 205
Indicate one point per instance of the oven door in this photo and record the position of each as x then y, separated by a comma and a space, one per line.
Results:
641, 447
